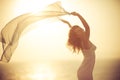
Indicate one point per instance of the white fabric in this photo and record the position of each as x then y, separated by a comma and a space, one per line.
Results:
11, 33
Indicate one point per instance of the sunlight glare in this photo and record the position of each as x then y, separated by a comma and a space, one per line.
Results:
25, 6
42, 72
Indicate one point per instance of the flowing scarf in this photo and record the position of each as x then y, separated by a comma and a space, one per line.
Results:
11, 33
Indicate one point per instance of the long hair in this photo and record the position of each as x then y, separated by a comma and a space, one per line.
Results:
74, 40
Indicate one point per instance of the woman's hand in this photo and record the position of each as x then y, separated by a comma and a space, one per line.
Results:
74, 13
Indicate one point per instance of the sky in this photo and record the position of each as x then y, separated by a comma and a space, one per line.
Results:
49, 41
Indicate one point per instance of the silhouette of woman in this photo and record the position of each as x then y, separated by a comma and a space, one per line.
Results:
79, 40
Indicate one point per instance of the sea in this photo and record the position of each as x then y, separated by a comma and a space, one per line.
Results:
105, 69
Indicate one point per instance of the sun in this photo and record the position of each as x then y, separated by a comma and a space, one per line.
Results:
25, 6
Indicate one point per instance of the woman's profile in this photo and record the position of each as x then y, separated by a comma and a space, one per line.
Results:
79, 41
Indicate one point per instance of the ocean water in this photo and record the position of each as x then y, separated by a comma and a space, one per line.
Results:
107, 69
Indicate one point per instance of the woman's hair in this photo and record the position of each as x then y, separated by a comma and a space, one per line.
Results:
74, 40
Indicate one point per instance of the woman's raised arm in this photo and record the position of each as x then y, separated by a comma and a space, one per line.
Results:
87, 28
66, 22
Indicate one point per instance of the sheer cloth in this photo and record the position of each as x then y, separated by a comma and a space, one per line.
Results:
11, 33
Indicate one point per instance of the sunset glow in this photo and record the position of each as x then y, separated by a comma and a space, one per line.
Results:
42, 72
49, 37
25, 6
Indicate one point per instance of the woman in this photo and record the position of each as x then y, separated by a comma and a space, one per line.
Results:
79, 40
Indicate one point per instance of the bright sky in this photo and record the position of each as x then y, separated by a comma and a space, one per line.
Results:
49, 40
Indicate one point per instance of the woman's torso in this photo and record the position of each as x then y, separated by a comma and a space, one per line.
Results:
86, 68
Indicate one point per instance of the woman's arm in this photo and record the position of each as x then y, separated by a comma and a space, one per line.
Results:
87, 28
66, 22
